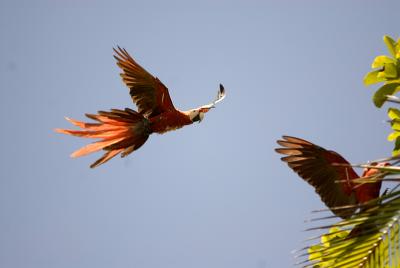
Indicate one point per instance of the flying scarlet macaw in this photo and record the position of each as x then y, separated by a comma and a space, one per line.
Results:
334, 183
124, 131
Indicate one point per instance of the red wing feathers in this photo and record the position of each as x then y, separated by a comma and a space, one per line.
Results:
315, 165
147, 92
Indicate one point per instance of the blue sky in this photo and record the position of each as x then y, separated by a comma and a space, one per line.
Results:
210, 195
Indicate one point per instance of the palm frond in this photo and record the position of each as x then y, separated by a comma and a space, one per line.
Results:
369, 239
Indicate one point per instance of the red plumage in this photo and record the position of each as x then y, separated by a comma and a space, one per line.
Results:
124, 131
330, 174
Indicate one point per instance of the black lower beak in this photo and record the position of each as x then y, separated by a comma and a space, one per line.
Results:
196, 118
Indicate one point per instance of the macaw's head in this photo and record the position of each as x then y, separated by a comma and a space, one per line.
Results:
368, 172
197, 115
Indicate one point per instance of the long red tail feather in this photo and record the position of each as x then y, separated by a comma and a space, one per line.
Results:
119, 131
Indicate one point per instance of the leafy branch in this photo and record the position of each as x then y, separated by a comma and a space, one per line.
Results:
371, 238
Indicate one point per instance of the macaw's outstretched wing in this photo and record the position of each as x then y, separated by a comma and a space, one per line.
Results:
220, 96
316, 166
147, 92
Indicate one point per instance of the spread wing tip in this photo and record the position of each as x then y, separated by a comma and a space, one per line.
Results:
293, 140
221, 89
221, 94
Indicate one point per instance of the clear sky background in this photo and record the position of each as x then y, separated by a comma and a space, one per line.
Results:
210, 195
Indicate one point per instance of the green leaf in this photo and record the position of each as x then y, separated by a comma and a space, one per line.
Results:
380, 61
396, 149
379, 97
393, 113
396, 125
390, 70
382, 75
394, 135
372, 78
391, 45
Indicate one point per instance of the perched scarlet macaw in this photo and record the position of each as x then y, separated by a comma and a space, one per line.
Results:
124, 131
333, 183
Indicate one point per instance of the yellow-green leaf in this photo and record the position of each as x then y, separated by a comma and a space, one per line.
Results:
393, 113
396, 125
372, 78
396, 150
390, 70
391, 45
392, 136
379, 97
381, 60
381, 75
